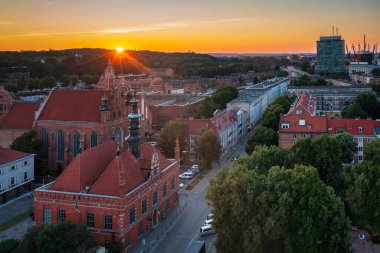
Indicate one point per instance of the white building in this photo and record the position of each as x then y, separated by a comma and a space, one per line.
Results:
362, 68
256, 98
16, 173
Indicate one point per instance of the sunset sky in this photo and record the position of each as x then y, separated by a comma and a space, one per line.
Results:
206, 26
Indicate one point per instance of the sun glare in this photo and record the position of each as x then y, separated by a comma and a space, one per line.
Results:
119, 49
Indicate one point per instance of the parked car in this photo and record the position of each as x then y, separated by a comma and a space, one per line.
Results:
210, 216
234, 158
186, 175
153, 143
195, 168
206, 230
209, 222
181, 185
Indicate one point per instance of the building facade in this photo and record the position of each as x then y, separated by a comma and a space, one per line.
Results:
330, 55
112, 190
16, 173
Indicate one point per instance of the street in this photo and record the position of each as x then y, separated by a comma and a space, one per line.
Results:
187, 228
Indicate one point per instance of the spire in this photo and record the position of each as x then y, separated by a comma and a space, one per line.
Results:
134, 137
104, 105
109, 62
177, 151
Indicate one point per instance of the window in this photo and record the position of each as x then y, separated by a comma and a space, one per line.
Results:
76, 143
132, 215
60, 145
173, 183
13, 181
164, 190
93, 139
61, 215
127, 241
360, 129
144, 206
312, 135
25, 176
1, 186
47, 215
360, 140
13, 167
360, 149
108, 221
90, 220
285, 125
140, 230
25, 163
294, 136
155, 198
45, 144
360, 158
303, 135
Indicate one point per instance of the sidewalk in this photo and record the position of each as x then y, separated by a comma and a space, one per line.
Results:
15, 207
18, 230
152, 239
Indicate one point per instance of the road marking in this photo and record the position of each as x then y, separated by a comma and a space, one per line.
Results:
191, 241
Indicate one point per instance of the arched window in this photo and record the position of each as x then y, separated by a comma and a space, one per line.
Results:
118, 136
45, 144
60, 145
93, 139
76, 143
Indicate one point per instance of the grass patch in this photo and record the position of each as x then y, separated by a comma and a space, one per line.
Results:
196, 180
14, 221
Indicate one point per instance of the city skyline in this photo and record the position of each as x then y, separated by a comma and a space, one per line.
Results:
207, 26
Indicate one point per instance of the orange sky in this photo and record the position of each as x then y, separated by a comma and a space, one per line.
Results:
239, 26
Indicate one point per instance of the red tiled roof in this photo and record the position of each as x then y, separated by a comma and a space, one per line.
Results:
99, 169
85, 168
312, 124
221, 121
352, 126
8, 155
20, 116
73, 105
195, 124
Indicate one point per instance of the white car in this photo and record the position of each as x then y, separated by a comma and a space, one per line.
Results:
181, 185
209, 222
153, 143
195, 168
186, 175
206, 230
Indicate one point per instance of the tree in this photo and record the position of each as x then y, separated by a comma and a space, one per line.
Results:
271, 116
29, 240
48, 82
208, 148
168, 136
361, 194
264, 158
369, 103
347, 145
302, 152
28, 143
65, 237
283, 102
261, 136
115, 246
22, 83
372, 151
375, 72
288, 210
206, 108
9, 245
354, 111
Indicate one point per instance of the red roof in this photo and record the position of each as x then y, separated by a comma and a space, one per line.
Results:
73, 105
8, 155
101, 170
195, 124
352, 126
20, 116
222, 120
303, 124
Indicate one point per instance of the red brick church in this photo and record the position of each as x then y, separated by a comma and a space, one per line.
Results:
110, 189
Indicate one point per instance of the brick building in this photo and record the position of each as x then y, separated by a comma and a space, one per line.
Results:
110, 189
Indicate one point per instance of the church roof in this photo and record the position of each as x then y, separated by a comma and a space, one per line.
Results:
20, 116
73, 105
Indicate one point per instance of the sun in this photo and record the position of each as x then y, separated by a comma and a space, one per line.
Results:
119, 49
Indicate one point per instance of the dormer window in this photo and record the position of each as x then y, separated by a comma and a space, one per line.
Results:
285, 125
299, 112
360, 129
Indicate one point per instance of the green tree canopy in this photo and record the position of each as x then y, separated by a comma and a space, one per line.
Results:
369, 103
283, 102
271, 116
29, 240
361, 194
354, 111
168, 136
347, 145
9, 245
261, 136
217, 100
372, 151
375, 72
288, 210
263, 158
206, 108
64, 237
208, 147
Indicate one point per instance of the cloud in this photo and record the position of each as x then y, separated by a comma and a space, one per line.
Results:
3, 22
171, 25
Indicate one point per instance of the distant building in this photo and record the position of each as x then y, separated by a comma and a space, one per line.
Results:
112, 190
330, 55
6, 102
16, 173
13, 74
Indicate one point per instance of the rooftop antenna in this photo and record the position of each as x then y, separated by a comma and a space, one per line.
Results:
365, 45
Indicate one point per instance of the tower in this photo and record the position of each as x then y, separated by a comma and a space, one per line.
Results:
104, 109
134, 137
109, 76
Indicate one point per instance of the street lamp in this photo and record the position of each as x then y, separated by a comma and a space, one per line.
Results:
77, 209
